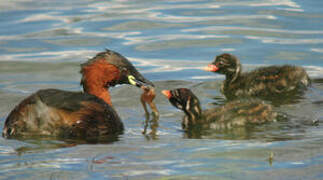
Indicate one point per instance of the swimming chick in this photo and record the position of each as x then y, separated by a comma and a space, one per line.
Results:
235, 113
261, 82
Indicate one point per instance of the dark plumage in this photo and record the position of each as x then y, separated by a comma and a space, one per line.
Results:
233, 114
83, 115
53, 112
262, 82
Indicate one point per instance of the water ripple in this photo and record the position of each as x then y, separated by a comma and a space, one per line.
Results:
286, 41
241, 28
169, 42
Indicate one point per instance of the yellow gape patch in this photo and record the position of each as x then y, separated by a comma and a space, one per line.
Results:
131, 80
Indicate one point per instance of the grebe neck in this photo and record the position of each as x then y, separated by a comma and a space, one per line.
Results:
97, 77
193, 116
233, 74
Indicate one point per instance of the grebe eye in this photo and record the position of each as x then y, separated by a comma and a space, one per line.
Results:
124, 71
220, 63
223, 62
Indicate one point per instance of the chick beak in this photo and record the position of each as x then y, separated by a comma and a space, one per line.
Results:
167, 93
211, 68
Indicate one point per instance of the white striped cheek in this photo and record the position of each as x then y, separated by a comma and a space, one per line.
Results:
197, 109
188, 104
179, 106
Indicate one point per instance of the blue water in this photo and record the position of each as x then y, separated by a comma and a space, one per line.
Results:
42, 44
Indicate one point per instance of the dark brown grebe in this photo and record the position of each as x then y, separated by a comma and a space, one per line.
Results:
85, 115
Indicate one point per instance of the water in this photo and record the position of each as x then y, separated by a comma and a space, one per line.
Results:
42, 44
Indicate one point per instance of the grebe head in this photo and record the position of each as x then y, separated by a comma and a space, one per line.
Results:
110, 68
226, 64
183, 99
186, 101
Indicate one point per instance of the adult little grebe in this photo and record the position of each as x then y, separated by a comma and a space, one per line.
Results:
266, 81
88, 114
233, 114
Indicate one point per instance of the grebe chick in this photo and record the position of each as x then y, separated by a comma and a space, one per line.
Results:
262, 82
233, 114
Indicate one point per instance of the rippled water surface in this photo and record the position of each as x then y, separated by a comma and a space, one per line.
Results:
42, 44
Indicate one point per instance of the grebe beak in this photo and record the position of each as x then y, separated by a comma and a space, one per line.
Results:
136, 79
167, 93
211, 67
133, 81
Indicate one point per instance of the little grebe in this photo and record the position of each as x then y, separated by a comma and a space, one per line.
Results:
233, 114
266, 81
88, 114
